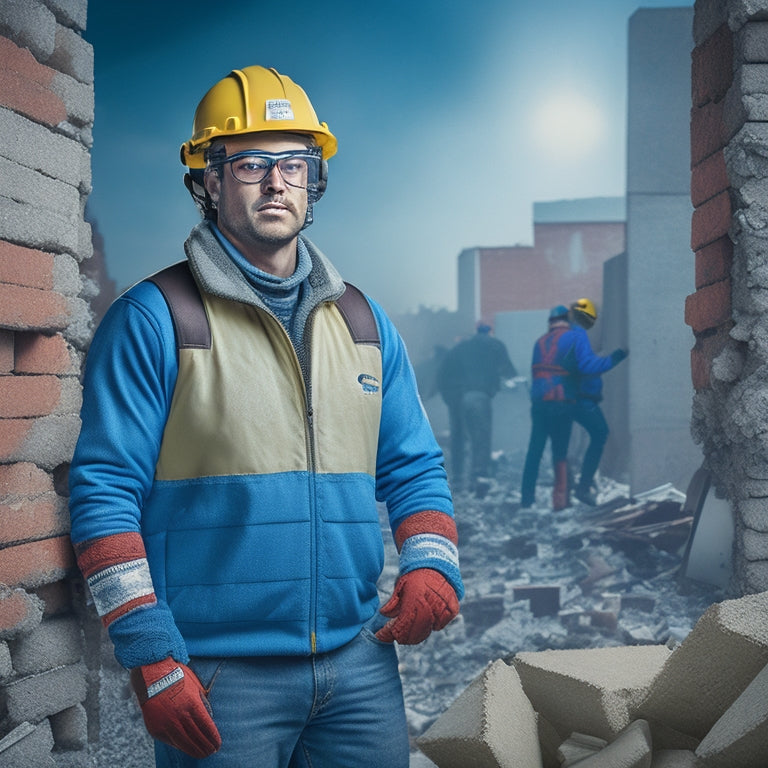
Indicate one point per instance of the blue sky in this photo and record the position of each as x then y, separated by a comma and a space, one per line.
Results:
452, 118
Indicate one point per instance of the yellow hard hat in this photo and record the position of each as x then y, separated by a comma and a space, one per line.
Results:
585, 309
251, 100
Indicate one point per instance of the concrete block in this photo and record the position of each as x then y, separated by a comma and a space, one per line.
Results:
37, 696
6, 666
72, 55
23, 185
674, 758
21, 222
28, 309
593, 691
70, 728
752, 42
491, 724
30, 24
78, 98
630, 749
48, 441
549, 742
724, 652
54, 643
28, 745
36, 147
66, 275
70, 13
740, 736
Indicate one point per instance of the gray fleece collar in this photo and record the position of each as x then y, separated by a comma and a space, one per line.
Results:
217, 274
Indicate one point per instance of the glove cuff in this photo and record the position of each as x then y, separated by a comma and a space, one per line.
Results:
436, 552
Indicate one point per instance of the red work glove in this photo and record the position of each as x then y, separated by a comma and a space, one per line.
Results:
423, 601
175, 707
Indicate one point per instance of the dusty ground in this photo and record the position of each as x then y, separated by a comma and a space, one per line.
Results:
501, 547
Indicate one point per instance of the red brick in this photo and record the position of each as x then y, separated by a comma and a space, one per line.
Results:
709, 307
16, 607
707, 131
711, 221
712, 67
31, 99
29, 520
37, 353
707, 348
36, 563
6, 351
23, 479
21, 61
709, 178
713, 262
28, 309
13, 432
25, 266
28, 396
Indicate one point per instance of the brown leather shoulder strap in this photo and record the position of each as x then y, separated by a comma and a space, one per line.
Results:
358, 315
191, 323
186, 305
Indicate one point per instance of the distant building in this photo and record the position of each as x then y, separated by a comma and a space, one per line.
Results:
571, 241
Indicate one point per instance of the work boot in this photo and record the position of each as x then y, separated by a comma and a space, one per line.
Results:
585, 496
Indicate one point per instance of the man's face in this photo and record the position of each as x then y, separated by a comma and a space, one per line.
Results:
259, 217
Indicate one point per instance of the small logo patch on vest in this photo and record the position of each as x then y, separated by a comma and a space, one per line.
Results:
370, 384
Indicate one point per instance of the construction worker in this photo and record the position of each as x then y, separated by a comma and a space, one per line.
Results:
469, 377
561, 358
243, 413
587, 411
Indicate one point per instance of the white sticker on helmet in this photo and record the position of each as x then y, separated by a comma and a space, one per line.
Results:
279, 109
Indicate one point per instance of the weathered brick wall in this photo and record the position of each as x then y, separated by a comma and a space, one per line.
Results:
727, 312
46, 114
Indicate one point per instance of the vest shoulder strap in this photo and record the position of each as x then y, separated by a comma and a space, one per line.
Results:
185, 304
191, 323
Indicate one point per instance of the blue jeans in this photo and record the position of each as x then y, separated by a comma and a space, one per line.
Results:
550, 420
589, 414
342, 709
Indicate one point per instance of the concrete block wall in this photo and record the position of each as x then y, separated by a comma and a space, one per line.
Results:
46, 116
729, 236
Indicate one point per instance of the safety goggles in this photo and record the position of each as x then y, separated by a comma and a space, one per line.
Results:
299, 168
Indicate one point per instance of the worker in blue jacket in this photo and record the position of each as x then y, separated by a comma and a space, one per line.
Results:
587, 411
560, 358
225, 485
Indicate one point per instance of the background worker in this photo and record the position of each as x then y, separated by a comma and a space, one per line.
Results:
224, 489
587, 411
552, 400
562, 358
469, 377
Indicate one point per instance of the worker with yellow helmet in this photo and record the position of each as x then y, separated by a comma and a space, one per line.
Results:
244, 411
587, 411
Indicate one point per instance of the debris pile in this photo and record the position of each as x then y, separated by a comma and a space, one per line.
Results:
537, 580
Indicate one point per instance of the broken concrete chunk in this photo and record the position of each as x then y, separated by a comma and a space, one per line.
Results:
674, 758
549, 742
577, 747
630, 749
490, 725
724, 652
740, 736
594, 690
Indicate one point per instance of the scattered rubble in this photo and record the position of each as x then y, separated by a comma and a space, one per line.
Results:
582, 578
636, 667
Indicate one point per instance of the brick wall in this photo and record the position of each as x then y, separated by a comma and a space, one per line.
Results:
729, 235
46, 113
